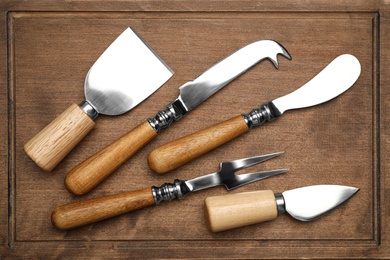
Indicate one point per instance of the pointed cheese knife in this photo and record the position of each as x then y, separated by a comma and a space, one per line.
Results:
333, 80
247, 208
99, 166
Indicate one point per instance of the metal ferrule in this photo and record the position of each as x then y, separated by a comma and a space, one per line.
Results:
169, 191
280, 204
266, 113
164, 118
89, 109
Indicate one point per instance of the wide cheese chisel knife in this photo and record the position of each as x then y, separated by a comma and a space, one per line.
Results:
333, 80
99, 166
85, 212
124, 75
247, 208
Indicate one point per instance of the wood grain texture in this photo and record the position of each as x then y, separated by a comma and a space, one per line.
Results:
174, 154
85, 212
240, 209
46, 49
56, 140
88, 174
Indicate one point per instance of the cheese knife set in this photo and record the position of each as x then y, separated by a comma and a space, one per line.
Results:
127, 73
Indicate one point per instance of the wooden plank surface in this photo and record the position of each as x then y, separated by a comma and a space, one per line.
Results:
47, 49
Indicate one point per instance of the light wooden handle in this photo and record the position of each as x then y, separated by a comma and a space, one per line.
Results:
57, 139
81, 213
183, 150
88, 174
240, 209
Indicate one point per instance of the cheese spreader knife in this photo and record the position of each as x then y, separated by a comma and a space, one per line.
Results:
99, 166
124, 75
247, 208
333, 80
81, 213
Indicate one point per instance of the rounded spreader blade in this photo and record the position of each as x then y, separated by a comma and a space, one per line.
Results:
332, 81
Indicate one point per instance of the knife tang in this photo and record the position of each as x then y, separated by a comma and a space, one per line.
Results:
81, 213
164, 118
88, 174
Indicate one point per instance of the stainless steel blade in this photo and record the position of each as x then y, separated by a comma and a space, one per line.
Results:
230, 181
333, 80
124, 75
308, 203
226, 175
195, 92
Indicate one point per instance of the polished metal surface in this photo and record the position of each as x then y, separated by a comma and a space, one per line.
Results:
280, 204
88, 109
332, 81
124, 75
195, 92
258, 116
169, 191
226, 175
308, 203
164, 118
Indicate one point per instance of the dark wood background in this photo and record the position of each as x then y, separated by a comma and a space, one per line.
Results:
46, 49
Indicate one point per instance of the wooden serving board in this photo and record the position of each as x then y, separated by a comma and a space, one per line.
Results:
47, 48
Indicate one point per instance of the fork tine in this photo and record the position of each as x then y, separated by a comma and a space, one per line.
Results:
243, 179
246, 162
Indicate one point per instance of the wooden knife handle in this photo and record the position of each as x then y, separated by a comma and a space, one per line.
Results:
240, 209
81, 213
183, 150
57, 139
88, 174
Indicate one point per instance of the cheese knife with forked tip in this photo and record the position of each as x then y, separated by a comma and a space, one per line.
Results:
99, 166
333, 80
